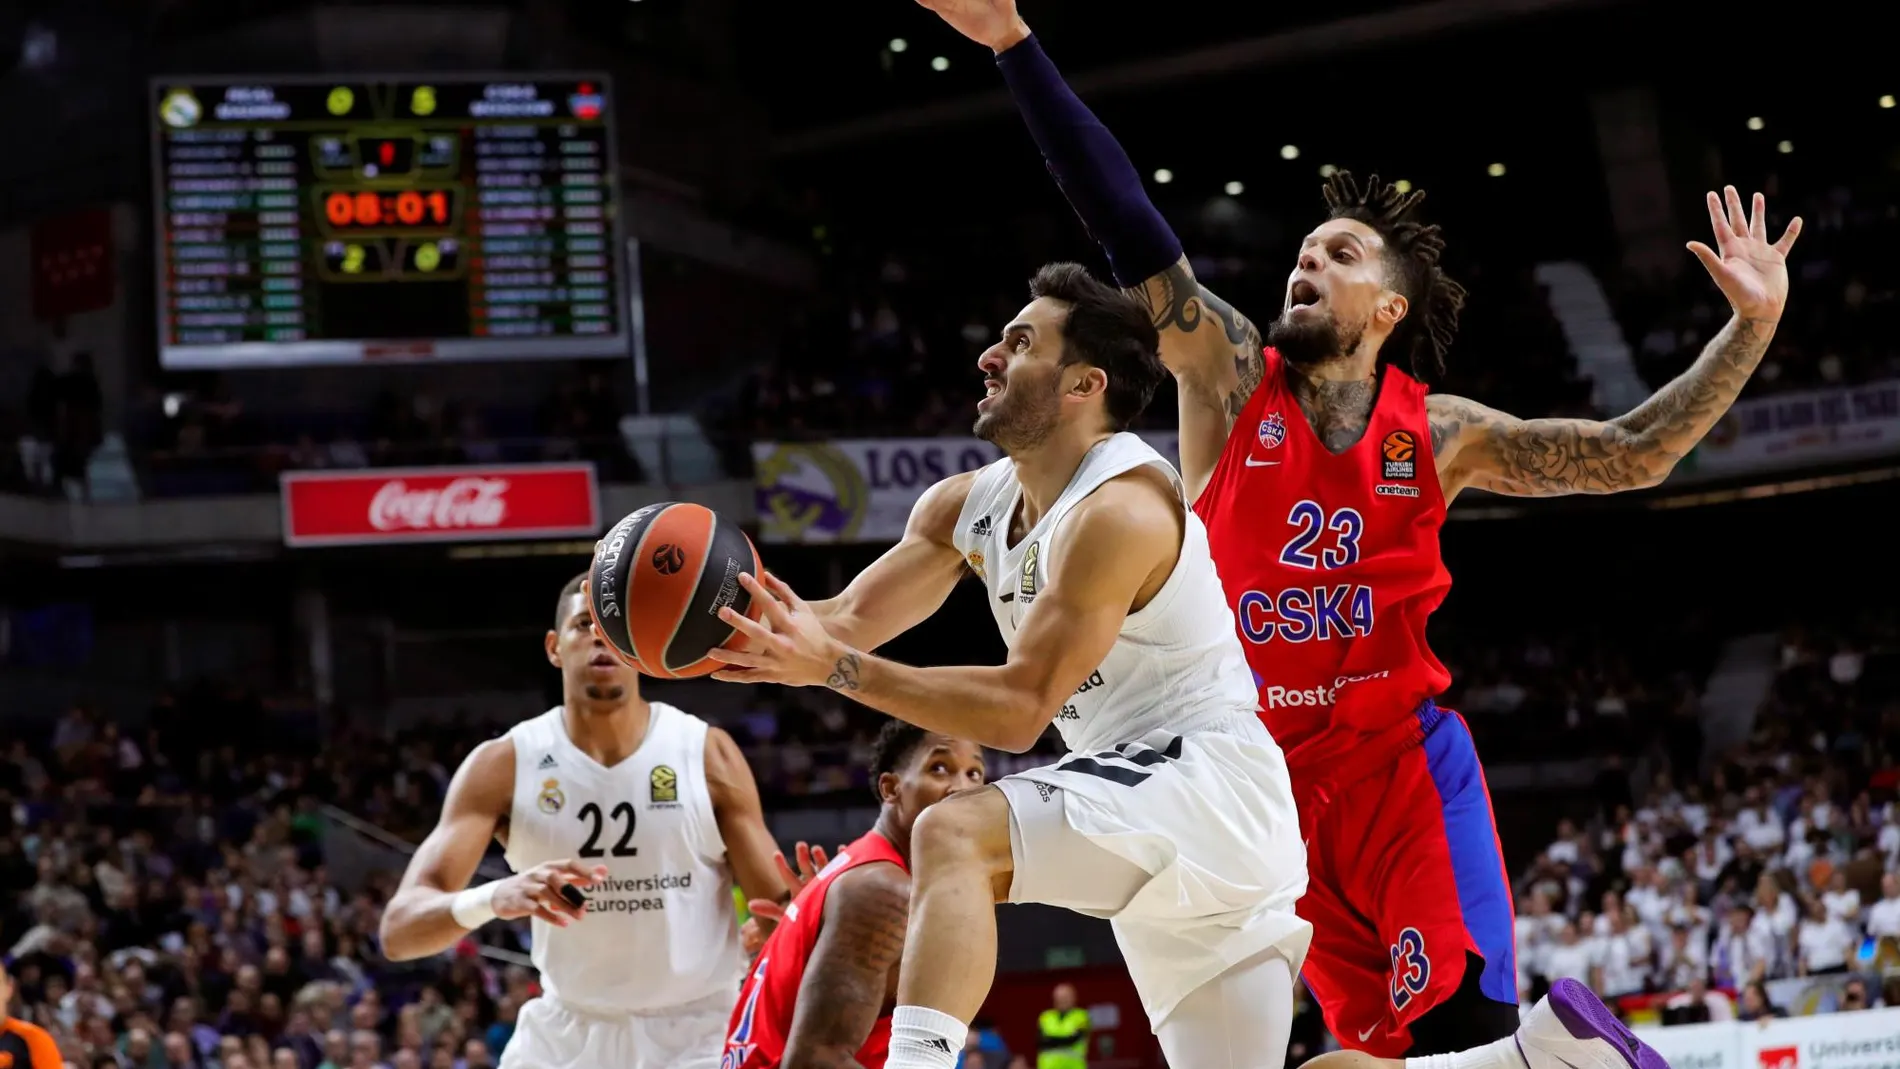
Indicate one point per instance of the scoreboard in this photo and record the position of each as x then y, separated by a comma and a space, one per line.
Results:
305, 221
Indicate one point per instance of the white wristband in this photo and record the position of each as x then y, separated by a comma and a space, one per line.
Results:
474, 907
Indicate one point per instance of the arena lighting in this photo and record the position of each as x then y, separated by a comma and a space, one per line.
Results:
898, 44
1402, 186
1785, 147
1235, 189
1496, 170
1289, 152
1755, 123
940, 64
1887, 101
1326, 170
1164, 176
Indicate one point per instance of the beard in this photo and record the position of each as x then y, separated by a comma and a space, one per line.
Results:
612, 692
1314, 340
1022, 418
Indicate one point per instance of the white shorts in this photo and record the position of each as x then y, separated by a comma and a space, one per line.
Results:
1190, 845
550, 1034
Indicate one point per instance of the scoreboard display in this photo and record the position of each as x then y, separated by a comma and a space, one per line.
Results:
305, 221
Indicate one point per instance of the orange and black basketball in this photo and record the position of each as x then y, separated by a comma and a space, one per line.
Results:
658, 581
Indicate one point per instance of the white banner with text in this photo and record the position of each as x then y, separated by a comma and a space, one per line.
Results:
862, 490
1866, 1039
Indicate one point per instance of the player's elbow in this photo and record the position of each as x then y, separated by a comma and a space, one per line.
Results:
397, 935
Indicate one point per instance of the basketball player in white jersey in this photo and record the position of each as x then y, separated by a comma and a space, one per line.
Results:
1172, 814
626, 822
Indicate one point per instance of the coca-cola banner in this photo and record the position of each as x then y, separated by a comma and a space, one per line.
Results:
344, 508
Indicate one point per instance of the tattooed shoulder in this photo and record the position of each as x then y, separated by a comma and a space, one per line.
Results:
1448, 416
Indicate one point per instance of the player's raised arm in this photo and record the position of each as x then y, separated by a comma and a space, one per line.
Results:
434, 907
852, 971
910, 581
1114, 543
1213, 351
750, 851
1485, 448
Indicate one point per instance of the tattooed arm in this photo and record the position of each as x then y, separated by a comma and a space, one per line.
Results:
1478, 446
1482, 447
852, 974
1215, 355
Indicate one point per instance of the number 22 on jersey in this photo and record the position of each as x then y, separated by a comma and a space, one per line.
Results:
1321, 542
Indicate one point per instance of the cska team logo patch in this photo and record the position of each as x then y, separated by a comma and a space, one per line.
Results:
1272, 430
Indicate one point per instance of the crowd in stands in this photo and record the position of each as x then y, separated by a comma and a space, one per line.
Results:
1843, 305
1782, 861
209, 441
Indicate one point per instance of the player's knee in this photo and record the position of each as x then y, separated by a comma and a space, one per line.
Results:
969, 829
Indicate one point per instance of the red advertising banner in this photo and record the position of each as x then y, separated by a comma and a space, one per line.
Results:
394, 506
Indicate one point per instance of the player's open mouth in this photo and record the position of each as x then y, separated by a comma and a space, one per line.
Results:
603, 660
991, 387
1303, 295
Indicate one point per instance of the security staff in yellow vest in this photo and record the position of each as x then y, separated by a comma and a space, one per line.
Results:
1064, 1039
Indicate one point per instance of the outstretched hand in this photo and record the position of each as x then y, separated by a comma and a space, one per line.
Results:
1752, 273
987, 22
787, 644
766, 914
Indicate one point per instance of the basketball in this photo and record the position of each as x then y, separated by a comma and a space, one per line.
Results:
658, 581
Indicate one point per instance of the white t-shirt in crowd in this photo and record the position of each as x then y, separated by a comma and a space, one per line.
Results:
1842, 904
1883, 918
1826, 944
1573, 961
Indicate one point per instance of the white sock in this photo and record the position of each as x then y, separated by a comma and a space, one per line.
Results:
1502, 1054
922, 1038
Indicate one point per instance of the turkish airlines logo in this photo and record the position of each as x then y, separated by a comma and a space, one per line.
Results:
442, 504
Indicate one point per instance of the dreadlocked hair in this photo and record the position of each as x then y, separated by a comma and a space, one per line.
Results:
1412, 250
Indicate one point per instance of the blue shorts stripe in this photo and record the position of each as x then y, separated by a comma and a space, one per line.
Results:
1484, 895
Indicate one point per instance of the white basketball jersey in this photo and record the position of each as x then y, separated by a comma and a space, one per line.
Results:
661, 930
1177, 663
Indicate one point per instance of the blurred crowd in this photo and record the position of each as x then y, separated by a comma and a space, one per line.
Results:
1782, 861
164, 901
208, 441
1843, 305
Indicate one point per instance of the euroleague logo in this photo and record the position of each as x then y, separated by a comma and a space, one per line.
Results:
1400, 452
669, 559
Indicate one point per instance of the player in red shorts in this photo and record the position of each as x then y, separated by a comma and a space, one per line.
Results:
1323, 468
822, 988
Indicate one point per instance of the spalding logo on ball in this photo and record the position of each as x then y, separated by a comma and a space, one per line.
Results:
658, 581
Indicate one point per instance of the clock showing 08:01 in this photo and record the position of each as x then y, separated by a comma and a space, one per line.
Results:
389, 210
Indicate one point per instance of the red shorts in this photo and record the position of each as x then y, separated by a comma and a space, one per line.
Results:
1405, 877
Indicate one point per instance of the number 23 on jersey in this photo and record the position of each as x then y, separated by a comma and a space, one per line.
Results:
1321, 542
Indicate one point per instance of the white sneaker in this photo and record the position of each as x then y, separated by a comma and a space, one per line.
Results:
1571, 1028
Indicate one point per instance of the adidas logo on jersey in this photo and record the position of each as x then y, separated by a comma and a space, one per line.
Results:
547, 761
981, 528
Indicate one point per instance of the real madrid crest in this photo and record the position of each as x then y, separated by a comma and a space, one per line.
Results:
551, 799
975, 560
663, 785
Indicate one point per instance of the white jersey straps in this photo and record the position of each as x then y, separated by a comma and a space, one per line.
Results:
661, 931
1176, 664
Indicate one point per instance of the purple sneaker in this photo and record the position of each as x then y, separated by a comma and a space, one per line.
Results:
1571, 1028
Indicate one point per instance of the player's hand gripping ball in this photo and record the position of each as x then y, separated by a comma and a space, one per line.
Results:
658, 581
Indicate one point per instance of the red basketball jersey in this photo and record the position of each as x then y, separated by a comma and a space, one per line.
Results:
762, 1021
1331, 566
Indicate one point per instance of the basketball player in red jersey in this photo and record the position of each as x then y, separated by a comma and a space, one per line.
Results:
820, 994
1323, 468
